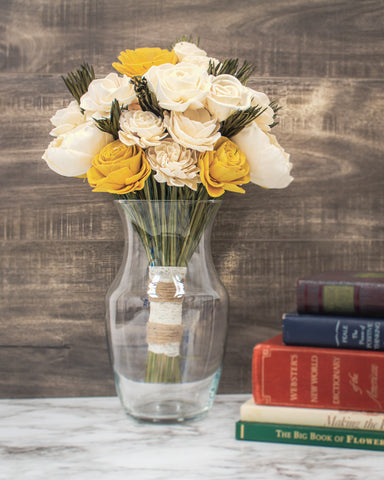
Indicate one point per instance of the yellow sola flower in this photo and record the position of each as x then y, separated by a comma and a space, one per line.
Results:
223, 168
139, 61
119, 169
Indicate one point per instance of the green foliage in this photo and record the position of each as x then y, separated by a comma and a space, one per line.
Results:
275, 107
111, 124
78, 80
231, 67
147, 99
239, 120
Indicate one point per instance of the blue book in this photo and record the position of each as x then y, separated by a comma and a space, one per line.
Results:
333, 331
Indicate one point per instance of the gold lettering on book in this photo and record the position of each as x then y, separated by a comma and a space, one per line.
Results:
293, 377
373, 392
336, 371
314, 379
354, 382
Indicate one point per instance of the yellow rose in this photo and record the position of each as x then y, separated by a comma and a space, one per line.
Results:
224, 168
139, 61
119, 169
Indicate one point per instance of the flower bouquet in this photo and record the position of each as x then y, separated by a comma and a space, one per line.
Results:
169, 135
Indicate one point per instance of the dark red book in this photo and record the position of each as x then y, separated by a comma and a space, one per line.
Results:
317, 377
343, 293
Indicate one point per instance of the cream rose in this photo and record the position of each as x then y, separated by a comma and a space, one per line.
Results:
227, 94
268, 162
178, 87
141, 128
66, 119
266, 118
195, 129
200, 60
174, 164
72, 154
183, 49
102, 92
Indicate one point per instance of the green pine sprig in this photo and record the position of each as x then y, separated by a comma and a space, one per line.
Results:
231, 67
147, 99
275, 107
239, 120
78, 80
111, 125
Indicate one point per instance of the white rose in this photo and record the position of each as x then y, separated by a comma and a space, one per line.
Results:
174, 164
200, 60
142, 128
227, 94
182, 49
268, 163
72, 154
195, 129
102, 92
266, 118
178, 87
66, 119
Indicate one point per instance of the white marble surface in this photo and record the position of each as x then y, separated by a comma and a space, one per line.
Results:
91, 439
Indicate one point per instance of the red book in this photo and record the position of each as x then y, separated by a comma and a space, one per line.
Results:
317, 377
344, 293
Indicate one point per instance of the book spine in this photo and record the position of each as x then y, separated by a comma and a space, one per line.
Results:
305, 435
315, 377
333, 331
314, 417
357, 299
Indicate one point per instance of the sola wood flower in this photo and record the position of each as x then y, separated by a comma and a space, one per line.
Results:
142, 128
119, 169
195, 129
174, 164
179, 87
71, 154
268, 162
139, 61
102, 92
227, 94
66, 119
184, 49
224, 168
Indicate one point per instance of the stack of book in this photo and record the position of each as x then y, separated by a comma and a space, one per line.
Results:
321, 382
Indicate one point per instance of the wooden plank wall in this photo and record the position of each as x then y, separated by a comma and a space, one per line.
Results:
61, 244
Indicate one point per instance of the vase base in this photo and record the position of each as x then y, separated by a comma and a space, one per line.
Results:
167, 402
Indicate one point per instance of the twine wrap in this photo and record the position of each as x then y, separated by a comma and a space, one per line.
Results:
161, 334
165, 293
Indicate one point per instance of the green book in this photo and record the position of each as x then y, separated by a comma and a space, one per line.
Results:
307, 435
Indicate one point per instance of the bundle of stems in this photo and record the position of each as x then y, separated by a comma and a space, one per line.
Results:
170, 227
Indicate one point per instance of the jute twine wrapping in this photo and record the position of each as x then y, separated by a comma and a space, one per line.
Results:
161, 334
165, 292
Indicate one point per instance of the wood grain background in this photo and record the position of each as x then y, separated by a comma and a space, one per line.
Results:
61, 244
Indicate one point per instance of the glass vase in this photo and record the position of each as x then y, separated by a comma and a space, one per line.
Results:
167, 311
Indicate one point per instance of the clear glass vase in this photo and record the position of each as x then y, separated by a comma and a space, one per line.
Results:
167, 311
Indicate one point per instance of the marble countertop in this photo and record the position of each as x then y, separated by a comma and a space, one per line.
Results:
91, 439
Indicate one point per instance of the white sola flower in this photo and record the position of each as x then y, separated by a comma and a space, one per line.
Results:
101, 93
195, 129
269, 164
179, 87
227, 94
66, 119
142, 128
174, 164
71, 154
188, 49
